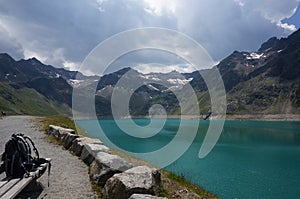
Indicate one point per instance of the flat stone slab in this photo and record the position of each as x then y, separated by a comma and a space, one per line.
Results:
105, 166
78, 143
59, 132
137, 180
145, 196
89, 152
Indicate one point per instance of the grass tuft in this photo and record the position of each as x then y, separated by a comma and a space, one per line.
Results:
62, 121
173, 182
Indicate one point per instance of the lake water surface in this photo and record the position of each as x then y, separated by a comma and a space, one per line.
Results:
252, 159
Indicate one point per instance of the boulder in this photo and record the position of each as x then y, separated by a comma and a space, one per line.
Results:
59, 132
139, 180
68, 139
105, 166
78, 143
89, 152
145, 196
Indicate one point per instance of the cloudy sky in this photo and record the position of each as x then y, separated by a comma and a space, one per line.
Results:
63, 33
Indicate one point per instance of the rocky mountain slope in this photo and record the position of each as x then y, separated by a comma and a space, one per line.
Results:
266, 81
30, 87
262, 82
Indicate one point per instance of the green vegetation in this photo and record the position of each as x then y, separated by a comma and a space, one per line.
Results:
297, 96
204, 101
180, 183
16, 99
62, 121
97, 189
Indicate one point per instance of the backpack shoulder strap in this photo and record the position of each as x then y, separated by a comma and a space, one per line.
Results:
20, 138
33, 146
2, 168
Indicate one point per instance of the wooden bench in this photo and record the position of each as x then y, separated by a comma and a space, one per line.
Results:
11, 187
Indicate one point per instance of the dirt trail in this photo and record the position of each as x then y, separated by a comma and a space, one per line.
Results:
69, 176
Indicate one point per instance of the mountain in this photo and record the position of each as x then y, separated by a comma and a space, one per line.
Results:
26, 70
266, 81
262, 82
155, 88
31, 87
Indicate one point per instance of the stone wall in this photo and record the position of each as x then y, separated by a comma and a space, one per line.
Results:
118, 178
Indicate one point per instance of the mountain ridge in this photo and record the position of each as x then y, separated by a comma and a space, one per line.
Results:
262, 82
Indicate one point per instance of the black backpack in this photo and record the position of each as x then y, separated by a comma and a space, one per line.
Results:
17, 157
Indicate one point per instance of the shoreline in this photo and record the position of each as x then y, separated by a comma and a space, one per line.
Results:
265, 117
173, 186
250, 117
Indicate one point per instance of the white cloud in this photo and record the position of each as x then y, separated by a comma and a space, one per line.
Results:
71, 65
223, 26
240, 3
99, 5
62, 33
31, 54
160, 7
274, 11
159, 68
289, 28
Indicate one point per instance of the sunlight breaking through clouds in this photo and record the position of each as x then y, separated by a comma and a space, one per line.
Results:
40, 28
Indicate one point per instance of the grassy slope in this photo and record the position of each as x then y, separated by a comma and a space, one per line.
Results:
23, 100
264, 95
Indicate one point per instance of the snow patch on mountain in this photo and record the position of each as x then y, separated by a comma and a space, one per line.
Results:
254, 55
150, 77
75, 82
179, 81
152, 87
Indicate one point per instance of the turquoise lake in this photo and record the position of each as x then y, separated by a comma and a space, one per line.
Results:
252, 159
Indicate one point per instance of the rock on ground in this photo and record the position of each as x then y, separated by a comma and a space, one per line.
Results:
105, 166
137, 180
89, 152
59, 132
69, 176
78, 143
68, 139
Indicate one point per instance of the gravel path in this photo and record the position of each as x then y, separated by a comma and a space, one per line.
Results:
69, 176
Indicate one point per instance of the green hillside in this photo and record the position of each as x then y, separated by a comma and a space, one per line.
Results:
16, 99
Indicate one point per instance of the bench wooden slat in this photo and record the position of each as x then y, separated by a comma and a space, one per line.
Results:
11, 187
8, 186
2, 183
17, 188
